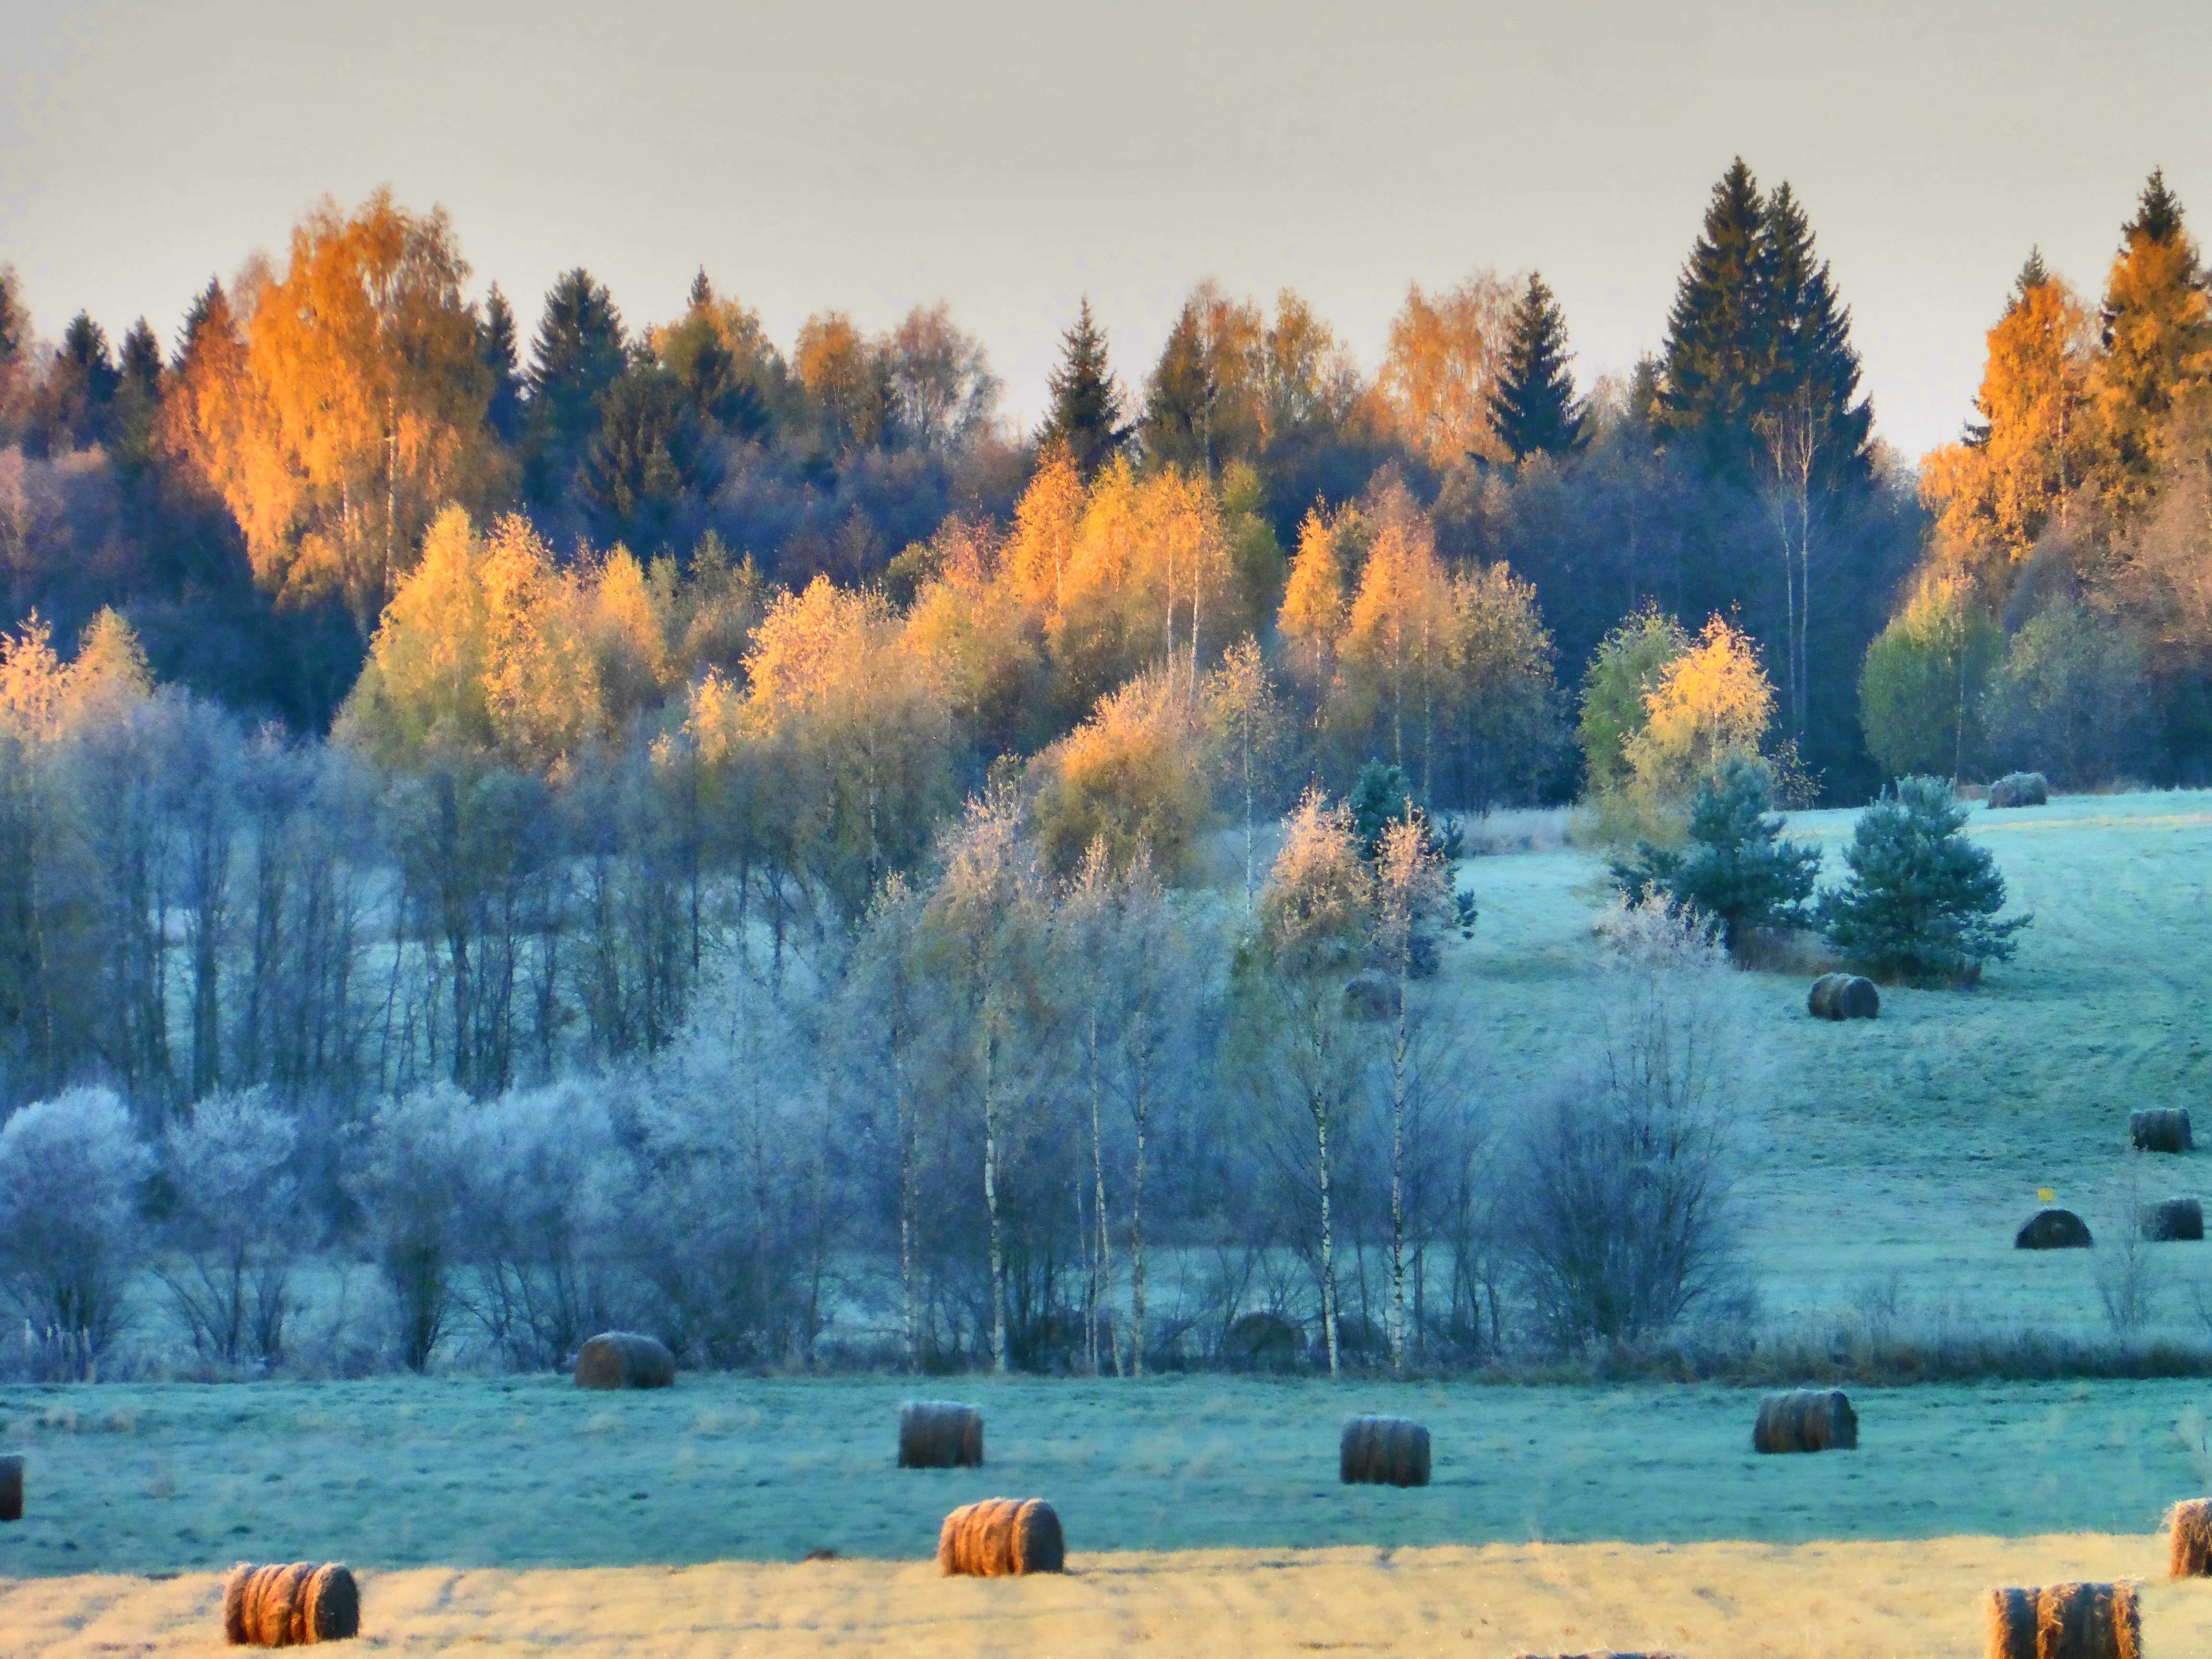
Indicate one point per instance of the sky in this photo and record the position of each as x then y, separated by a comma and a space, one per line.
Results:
865, 156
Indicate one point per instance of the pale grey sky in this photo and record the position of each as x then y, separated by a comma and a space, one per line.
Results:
864, 155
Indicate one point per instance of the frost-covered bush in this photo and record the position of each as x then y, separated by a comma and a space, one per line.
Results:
235, 1228
547, 1199
1655, 935
407, 1179
70, 1175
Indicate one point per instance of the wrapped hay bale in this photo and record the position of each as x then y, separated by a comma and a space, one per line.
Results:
2174, 1220
941, 1434
2161, 1129
2020, 789
11, 1487
1383, 1451
2053, 1230
1600, 1653
1806, 1420
1843, 996
623, 1359
2064, 1621
1001, 1538
2189, 1538
290, 1606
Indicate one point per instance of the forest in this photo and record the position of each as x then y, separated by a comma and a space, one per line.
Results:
743, 840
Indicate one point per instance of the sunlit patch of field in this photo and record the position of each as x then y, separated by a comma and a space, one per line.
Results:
1829, 1601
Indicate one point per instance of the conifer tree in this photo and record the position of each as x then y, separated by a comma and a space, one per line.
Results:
2157, 339
582, 349
496, 347
137, 398
1534, 409
1085, 402
1719, 334
1179, 402
1814, 366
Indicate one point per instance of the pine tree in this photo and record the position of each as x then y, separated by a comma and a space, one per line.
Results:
495, 346
1534, 409
1737, 867
1084, 399
2158, 342
1921, 899
1720, 340
582, 349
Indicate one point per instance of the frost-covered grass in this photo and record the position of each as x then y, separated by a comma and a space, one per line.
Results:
1886, 1163
531, 1472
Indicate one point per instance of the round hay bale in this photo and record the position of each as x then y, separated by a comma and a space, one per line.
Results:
941, 1434
2008, 1621
290, 1606
2088, 1621
2161, 1129
1368, 997
1806, 1420
11, 1487
623, 1359
1001, 1538
2189, 1538
1858, 998
2020, 789
1820, 1000
2173, 1221
1383, 1451
1264, 1341
2053, 1230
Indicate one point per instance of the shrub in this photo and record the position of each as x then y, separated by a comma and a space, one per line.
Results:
1738, 870
1922, 688
2071, 699
233, 1224
1920, 898
71, 1174
408, 1182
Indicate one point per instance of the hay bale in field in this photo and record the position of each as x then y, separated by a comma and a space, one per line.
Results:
2173, 1221
291, 1606
2063, 1621
2189, 1538
1001, 1538
2053, 1230
1598, 1653
1383, 1451
2020, 789
1369, 998
11, 1488
1806, 1420
623, 1359
941, 1434
2161, 1129
1843, 996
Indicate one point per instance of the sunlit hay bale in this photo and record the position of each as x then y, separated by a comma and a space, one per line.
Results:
623, 1359
1368, 997
2189, 1538
2020, 789
2053, 1230
2174, 1220
2008, 1623
1806, 1420
2088, 1621
941, 1434
2161, 1129
11, 1488
1001, 1538
1600, 1653
1843, 996
1383, 1451
291, 1606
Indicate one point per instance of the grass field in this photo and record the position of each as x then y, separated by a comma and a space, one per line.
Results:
1912, 1146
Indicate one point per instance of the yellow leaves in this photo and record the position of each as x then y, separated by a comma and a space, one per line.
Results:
43, 698
1130, 777
1712, 699
1314, 598
1440, 365
1318, 903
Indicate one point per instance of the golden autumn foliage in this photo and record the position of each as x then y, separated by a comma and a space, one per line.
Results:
43, 696
1132, 777
1441, 363
1318, 592
358, 409
1993, 498
2157, 354
1711, 700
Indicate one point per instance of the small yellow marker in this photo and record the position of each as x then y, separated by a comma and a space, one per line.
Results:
2045, 1193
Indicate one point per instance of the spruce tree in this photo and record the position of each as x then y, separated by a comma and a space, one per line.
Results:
1534, 409
496, 349
1720, 331
1814, 366
1084, 399
1179, 402
582, 349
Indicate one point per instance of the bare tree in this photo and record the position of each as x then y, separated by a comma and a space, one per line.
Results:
236, 1225
1411, 890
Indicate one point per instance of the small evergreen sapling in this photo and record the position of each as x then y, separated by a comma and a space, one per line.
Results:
1921, 899
1738, 870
